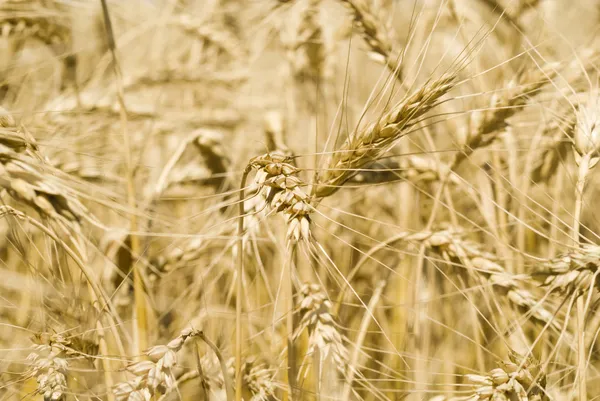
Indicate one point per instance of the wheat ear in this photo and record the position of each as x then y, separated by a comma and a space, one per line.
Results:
519, 379
376, 38
366, 145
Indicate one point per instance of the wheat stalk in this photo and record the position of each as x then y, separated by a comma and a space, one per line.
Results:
586, 145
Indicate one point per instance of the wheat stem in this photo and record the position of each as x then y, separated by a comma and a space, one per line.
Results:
362, 334
203, 384
239, 290
584, 167
141, 318
228, 385
291, 350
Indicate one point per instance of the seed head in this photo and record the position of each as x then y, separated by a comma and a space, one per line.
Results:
587, 131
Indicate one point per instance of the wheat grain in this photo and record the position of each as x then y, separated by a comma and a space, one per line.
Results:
284, 192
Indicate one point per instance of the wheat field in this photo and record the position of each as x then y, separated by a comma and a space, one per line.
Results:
294, 200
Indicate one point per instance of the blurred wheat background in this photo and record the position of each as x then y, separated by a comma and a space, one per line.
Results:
299, 200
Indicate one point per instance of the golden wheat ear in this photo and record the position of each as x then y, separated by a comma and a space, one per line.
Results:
368, 144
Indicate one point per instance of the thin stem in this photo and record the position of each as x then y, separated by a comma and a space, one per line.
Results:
203, 383
222, 362
291, 354
584, 167
239, 290
581, 357
317, 373
138, 285
444, 178
362, 334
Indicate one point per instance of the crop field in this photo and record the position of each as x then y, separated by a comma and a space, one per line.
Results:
264, 200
